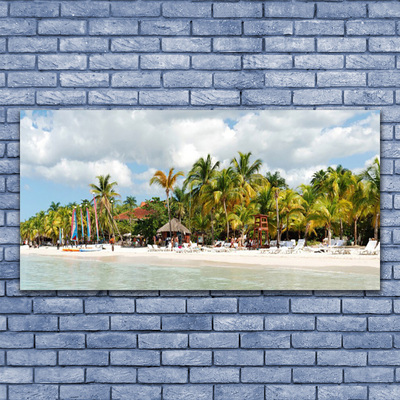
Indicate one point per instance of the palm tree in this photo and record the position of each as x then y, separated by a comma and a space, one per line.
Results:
247, 173
130, 202
277, 183
201, 174
372, 176
359, 203
201, 224
318, 181
53, 206
328, 213
167, 183
309, 197
179, 200
290, 205
222, 191
242, 218
105, 192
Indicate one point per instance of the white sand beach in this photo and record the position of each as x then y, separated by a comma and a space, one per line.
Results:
353, 262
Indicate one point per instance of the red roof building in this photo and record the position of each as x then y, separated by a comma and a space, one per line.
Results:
135, 214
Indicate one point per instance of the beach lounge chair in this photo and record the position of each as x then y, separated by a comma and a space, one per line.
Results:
150, 247
369, 248
377, 249
299, 247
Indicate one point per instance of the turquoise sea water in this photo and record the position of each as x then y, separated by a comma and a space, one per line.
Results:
119, 273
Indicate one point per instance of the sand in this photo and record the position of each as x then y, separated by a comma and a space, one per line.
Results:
245, 258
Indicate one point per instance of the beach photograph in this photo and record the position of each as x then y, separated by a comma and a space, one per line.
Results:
200, 200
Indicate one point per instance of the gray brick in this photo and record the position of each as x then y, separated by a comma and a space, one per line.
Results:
341, 45
84, 322
165, 28
16, 375
61, 61
317, 375
289, 79
163, 340
193, 45
373, 28
261, 340
31, 357
130, 392
368, 97
238, 10
60, 340
84, 9
289, 323
369, 61
162, 375
266, 375
237, 45
84, 79
164, 61
32, 45
17, 61
214, 375
183, 392
342, 78
259, 97
320, 305
83, 357
381, 45
286, 45
159, 98
42, 9
214, 340
317, 27
114, 61
316, 340
384, 10
66, 97
32, 391
138, 44
214, 97
342, 358
368, 374
288, 392
214, 62
135, 357
186, 357
59, 375
386, 323
269, 27
384, 357
87, 45
140, 9
187, 323
367, 341
288, 10
135, 322
181, 9
343, 392
216, 27
111, 375
125, 97
212, 305
94, 391
341, 323
113, 27
61, 27
32, 322
290, 357
109, 305
186, 79
16, 340
347, 10
242, 323
235, 392
319, 61
366, 306
255, 305
19, 26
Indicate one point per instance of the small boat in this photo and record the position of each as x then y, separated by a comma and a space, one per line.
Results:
75, 250
90, 249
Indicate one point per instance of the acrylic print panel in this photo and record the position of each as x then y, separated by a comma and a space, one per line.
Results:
185, 200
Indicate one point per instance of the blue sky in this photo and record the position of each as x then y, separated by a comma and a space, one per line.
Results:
62, 151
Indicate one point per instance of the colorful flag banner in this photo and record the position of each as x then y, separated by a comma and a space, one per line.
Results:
83, 235
74, 226
95, 216
88, 223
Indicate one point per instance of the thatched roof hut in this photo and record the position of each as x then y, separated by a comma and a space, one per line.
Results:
176, 226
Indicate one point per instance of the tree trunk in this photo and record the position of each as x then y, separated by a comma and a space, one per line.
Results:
376, 226
169, 215
212, 226
341, 229
287, 228
355, 232
329, 235
306, 233
227, 222
277, 219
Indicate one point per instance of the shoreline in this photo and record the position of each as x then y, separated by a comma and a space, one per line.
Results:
322, 262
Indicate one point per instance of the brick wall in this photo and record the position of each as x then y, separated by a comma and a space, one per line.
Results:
199, 345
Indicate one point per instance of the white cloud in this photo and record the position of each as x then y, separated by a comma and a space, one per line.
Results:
73, 146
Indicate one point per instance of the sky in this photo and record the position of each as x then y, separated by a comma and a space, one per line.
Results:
62, 151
